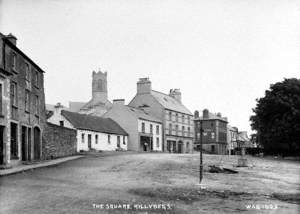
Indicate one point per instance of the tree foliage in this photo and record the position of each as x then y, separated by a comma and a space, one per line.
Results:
277, 118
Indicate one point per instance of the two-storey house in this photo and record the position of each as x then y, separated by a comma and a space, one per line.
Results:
145, 130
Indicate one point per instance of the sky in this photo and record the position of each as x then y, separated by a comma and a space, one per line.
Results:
222, 54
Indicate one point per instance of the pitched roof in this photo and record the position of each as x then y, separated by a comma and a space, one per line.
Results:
142, 114
169, 102
93, 123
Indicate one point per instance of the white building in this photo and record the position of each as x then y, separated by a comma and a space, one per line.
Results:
92, 132
145, 130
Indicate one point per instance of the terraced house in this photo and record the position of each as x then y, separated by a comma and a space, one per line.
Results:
22, 109
177, 120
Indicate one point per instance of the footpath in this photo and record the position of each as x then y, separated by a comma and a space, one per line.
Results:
25, 167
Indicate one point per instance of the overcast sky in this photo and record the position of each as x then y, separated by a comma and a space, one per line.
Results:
222, 54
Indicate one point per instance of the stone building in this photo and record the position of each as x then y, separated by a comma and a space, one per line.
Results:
145, 130
99, 104
214, 138
177, 120
23, 104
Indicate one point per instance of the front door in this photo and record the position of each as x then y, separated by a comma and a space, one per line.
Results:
37, 143
179, 147
23, 143
90, 141
1, 145
29, 144
118, 141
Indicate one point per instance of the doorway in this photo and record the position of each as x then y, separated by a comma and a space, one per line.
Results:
179, 150
89, 141
23, 143
37, 143
29, 144
13, 141
118, 141
2, 144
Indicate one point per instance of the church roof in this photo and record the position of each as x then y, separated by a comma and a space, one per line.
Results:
76, 106
169, 102
93, 123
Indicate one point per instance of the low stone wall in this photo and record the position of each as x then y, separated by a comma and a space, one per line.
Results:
58, 141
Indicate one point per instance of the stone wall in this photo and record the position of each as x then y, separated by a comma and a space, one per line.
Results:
58, 141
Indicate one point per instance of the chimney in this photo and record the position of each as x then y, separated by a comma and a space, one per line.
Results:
58, 107
12, 39
205, 114
144, 86
176, 94
219, 114
119, 102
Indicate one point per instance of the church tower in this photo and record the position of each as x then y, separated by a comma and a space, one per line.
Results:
99, 87
99, 104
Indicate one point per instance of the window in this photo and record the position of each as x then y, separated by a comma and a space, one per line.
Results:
183, 129
176, 117
0, 99
157, 129
36, 78
157, 142
170, 128
151, 128
82, 138
124, 140
96, 139
143, 127
170, 115
27, 72
36, 105
26, 101
61, 123
189, 120
108, 139
13, 93
176, 128
182, 118
14, 62
189, 131
212, 135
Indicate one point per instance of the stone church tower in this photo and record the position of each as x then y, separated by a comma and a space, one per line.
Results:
99, 104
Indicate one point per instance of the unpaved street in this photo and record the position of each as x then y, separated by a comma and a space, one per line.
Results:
82, 185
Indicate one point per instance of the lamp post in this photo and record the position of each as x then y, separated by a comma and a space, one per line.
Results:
201, 159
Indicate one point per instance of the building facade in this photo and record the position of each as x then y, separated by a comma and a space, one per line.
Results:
232, 139
177, 120
99, 104
145, 131
93, 132
24, 103
214, 137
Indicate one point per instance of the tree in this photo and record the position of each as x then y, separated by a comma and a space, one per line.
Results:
277, 118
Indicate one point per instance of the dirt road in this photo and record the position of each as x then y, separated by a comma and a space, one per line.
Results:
166, 182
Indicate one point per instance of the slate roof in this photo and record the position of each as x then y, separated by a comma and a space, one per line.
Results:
93, 123
143, 115
169, 102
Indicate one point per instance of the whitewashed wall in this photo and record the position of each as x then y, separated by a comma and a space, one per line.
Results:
155, 136
56, 117
102, 141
